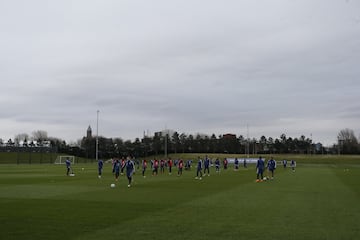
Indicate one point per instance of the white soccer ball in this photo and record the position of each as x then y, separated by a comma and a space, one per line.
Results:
112, 185
264, 178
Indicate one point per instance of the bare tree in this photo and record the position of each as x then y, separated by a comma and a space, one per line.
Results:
347, 135
40, 135
347, 141
21, 137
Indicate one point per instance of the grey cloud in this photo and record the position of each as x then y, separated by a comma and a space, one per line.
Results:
278, 66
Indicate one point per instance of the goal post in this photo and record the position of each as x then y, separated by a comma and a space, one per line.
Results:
61, 159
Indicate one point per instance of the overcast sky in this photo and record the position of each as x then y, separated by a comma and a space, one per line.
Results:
199, 66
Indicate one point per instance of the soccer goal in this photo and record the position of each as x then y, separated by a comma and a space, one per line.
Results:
62, 159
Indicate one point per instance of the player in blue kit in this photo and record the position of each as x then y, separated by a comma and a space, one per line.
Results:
188, 165
271, 166
199, 169
293, 165
260, 165
68, 166
130, 169
217, 165
117, 169
207, 166
100, 167
236, 164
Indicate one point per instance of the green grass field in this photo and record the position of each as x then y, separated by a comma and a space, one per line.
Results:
316, 202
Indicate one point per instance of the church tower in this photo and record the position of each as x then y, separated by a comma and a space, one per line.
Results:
89, 132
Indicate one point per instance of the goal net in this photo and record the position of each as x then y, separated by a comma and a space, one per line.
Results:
62, 159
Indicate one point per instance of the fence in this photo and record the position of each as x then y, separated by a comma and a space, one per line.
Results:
27, 155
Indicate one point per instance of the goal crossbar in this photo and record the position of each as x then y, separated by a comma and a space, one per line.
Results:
62, 159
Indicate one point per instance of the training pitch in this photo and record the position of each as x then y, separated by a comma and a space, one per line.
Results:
316, 202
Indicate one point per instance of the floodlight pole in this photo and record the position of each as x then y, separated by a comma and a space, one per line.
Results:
97, 135
311, 144
166, 136
248, 139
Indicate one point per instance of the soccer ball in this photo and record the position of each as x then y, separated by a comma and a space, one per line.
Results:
264, 178
112, 185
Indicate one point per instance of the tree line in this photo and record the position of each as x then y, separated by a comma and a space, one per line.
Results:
165, 144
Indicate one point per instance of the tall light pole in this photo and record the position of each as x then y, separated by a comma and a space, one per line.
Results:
166, 136
311, 144
165, 145
247, 140
97, 135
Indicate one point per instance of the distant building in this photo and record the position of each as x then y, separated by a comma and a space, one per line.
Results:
163, 133
318, 147
89, 132
201, 135
229, 136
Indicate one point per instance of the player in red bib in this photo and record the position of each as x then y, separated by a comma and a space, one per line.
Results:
144, 165
122, 166
155, 167
180, 167
170, 163
162, 166
225, 163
